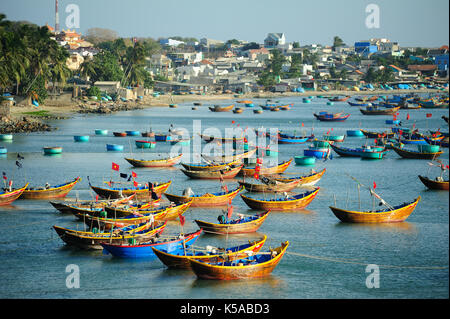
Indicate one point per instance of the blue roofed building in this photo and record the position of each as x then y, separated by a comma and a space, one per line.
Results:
365, 48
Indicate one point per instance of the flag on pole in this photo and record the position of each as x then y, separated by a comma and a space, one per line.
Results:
182, 220
4, 176
429, 114
407, 116
135, 184
230, 211
374, 185
133, 174
115, 166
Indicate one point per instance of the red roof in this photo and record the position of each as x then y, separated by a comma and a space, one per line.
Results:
422, 67
395, 67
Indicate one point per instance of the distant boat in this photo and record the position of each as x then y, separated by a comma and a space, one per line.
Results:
162, 162
338, 99
424, 152
145, 144
101, 132
120, 134
133, 133
434, 184
292, 202
114, 147
331, 117
51, 150
218, 108
6, 137
241, 225
355, 133
3, 150
81, 138
238, 110
371, 110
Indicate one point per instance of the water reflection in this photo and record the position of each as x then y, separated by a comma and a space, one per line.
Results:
404, 227
241, 287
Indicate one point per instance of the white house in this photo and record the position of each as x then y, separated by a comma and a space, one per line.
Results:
274, 39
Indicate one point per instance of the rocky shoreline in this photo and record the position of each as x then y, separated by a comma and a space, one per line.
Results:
24, 125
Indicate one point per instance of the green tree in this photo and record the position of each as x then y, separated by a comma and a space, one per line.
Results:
337, 42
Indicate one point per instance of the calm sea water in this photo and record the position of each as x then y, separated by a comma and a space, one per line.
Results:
325, 259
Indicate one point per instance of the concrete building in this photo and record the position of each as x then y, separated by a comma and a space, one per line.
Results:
274, 39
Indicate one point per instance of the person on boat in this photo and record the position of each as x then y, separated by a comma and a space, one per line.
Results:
188, 192
47, 185
286, 195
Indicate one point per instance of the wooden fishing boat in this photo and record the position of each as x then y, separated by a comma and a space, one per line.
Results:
148, 134
293, 202
397, 214
7, 197
120, 134
405, 153
290, 139
272, 185
371, 110
163, 162
355, 152
277, 169
331, 117
434, 184
114, 147
304, 180
135, 217
65, 206
144, 250
229, 158
226, 173
259, 111
206, 200
238, 110
304, 160
162, 137
217, 108
133, 133
58, 191
209, 139
142, 192
241, 225
101, 132
252, 266
180, 258
333, 138
208, 167
339, 99
370, 134
145, 144
93, 239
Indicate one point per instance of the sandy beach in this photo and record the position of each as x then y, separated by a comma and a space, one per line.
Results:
66, 108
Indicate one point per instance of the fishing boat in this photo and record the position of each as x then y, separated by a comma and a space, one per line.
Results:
227, 173
209, 139
355, 133
331, 117
9, 196
180, 258
333, 138
229, 158
359, 104
391, 214
6, 137
101, 132
420, 154
434, 183
209, 166
304, 160
277, 169
142, 192
338, 99
134, 217
252, 266
163, 162
241, 225
317, 152
291, 202
52, 150
144, 250
373, 110
291, 139
207, 199
162, 137
173, 106
356, 152
93, 239
181, 141
46, 192
145, 144
81, 138
305, 180
238, 110
269, 185
445, 118
259, 111
217, 108
370, 134
148, 134
120, 134
133, 133
3, 150
114, 147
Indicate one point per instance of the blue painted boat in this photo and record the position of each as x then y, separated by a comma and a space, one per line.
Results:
414, 141
144, 250
306, 100
3, 150
292, 139
304, 160
316, 152
183, 142
358, 104
101, 132
81, 138
392, 121
249, 104
133, 133
114, 147
145, 144
6, 137
162, 137
51, 150
359, 151
355, 133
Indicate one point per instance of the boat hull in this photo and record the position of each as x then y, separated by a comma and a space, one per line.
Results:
235, 228
277, 205
432, 184
54, 192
